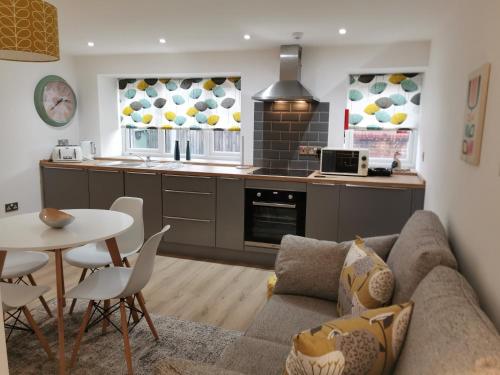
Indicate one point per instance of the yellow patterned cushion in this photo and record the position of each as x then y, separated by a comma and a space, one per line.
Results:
271, 283
367, 344
366, 281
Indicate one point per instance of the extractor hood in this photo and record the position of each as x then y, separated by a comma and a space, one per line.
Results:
288, 88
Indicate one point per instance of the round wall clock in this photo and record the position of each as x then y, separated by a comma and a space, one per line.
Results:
55, 101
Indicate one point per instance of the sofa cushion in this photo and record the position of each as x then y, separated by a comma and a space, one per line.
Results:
253, 356
365, 344
421, 246
176, 366
448, 333
366, 282
309, 267
286, 315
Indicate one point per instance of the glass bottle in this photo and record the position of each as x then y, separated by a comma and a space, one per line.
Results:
177, 151
188, 151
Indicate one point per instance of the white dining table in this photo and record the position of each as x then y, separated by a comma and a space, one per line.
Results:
27, 232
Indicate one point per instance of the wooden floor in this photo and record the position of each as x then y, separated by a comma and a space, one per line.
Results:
223, 295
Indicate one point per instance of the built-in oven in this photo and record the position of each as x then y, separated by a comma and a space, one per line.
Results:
271, 214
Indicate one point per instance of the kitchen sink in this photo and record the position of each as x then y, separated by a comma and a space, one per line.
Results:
127, 164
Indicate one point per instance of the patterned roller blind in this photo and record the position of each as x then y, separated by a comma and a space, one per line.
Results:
384, 101
189, 103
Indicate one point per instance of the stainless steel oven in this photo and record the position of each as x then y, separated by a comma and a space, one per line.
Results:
270, 214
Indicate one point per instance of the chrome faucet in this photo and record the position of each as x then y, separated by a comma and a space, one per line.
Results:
146, 160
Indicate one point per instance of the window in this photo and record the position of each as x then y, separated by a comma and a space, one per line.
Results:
384, 114
155, 113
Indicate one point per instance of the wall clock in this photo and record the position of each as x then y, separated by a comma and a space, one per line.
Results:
55, 101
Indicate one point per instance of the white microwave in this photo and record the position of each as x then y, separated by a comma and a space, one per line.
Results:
350, 162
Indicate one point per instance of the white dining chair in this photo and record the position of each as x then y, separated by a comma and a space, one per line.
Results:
15, 297
96, 255
21, 264
120, 283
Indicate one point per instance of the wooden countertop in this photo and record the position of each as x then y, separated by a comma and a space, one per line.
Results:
395, 181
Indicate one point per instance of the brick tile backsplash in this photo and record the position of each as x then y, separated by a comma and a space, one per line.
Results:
281, 127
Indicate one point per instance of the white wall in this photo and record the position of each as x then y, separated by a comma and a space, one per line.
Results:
324, 71
25, 137
467, 198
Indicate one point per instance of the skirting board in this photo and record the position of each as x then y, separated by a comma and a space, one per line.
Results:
245, 257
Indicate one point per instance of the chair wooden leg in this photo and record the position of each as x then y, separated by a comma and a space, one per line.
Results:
126, 262
126, 343
38, 332
42, 300
73, 303
140, 299
105, 322
78, 340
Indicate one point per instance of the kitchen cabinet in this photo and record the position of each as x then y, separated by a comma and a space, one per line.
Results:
322, 211
147, 186
373, 211
105, 186
189, 206
230, 226
65, 188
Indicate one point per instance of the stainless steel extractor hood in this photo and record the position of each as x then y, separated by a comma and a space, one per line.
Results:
288, 88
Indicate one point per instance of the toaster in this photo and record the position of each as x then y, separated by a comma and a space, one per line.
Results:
70, 154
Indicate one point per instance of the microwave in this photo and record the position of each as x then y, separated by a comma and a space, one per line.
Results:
351, 162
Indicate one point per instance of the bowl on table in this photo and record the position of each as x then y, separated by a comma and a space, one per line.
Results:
55, 218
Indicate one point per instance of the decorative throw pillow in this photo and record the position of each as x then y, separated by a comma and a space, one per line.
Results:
367, 344
366, 281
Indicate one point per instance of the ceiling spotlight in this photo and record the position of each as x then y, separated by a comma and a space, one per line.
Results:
247, 37
162, 41
90, 44
342, 31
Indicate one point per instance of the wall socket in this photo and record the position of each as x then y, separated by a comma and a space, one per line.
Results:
309, 150
11, 207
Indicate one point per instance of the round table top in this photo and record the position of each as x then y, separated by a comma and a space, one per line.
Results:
28, 232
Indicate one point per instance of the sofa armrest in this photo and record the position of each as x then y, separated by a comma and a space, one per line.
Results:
176, 366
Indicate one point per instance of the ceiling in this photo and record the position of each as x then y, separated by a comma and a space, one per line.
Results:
126, 26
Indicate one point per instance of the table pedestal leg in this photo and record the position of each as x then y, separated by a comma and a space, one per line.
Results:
60, 313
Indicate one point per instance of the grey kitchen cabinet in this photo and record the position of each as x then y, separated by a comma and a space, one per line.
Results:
373, 211
147, 186
230, 226
189, 206
65, 188
322, 211
105, 186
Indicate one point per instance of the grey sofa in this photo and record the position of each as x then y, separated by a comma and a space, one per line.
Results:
448, 333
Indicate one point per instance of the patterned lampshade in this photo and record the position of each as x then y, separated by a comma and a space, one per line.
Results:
28, 31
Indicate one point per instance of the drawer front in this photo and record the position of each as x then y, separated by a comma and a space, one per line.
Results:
190, 231
189, 183
194, 205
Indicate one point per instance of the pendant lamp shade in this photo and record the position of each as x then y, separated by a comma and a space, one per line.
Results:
28, 31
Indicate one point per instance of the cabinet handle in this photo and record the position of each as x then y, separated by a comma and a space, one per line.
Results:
186, 192
318, 184
374, 187
104, 170
187, 219
65, 169
188, 176
143, 173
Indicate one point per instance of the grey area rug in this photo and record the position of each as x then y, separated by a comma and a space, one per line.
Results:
103, 354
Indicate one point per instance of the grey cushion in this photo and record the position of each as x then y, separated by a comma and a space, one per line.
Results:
421, 246
286, 315
448, 332
176, 366
254, 357
309, 267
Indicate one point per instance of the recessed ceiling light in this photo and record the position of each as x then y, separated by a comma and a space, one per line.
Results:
162, 40
342, 31
247, 37
90, 44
